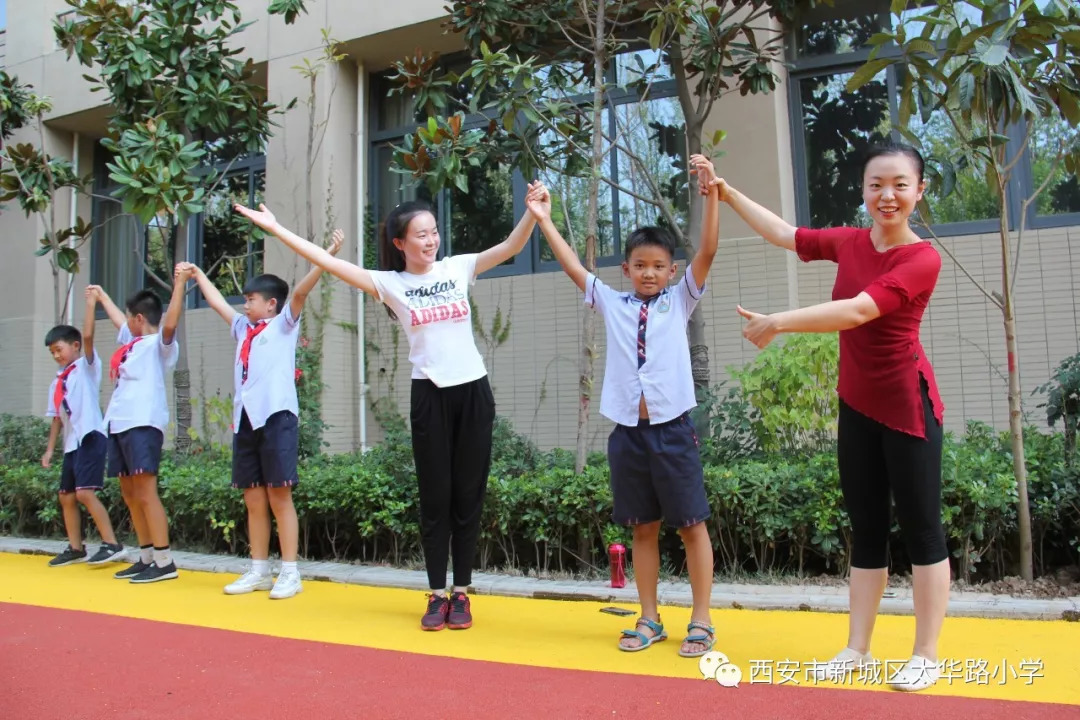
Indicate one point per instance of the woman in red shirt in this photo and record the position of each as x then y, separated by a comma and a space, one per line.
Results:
889, 433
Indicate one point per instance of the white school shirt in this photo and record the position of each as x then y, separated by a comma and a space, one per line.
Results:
139, 399
271, 381
433, 309
665, 378
83, 387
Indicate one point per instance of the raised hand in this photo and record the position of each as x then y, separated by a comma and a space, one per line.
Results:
760, 330
337, 239
92, 293
183, 271
538, 200
261, 217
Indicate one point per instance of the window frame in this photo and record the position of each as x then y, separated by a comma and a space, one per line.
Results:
529, 260
804, 68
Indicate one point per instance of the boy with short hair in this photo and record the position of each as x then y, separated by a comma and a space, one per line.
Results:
648, 391
73, 407
265, 417
137, 416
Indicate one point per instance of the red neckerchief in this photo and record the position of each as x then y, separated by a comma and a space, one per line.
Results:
119, 357
61, 389
245, 349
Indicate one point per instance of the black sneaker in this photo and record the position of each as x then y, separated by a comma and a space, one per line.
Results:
68, 557
153, 573
132, 570
438, 608
107, 553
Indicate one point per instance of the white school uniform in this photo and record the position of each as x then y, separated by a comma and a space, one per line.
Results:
433, 310
271, 380
140, 399
665, 378
82, 413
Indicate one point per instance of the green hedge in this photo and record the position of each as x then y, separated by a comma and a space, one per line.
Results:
770, 514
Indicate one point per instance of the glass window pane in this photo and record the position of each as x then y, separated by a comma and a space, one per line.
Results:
397, 110
569, 203
838, 126
631, 67
1062, 192
654, 134
116, 267
226, 234
483, 216
835, 36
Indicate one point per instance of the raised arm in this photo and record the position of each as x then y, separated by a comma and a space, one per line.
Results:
116, 315
176, 303
308, 282
210, 293
765, 222
538, 201
512, 245
88, 326
355, 275
710, 222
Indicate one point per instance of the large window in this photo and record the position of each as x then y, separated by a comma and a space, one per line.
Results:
648, 131
127, 255
832, 127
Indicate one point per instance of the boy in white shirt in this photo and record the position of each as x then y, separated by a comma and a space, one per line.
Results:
137, 416
73, 407
265, 417
648, 391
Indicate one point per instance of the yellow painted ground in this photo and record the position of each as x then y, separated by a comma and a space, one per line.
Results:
571, 635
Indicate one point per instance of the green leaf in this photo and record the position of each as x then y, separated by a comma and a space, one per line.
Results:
1069, 105
68, 259
920, 45
866, 73
44, 250
991, 53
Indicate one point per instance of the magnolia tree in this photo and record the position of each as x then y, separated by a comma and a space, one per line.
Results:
534, 94
181, 100
993, 68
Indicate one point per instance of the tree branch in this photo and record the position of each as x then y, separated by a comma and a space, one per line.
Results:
1028, 201
960, 265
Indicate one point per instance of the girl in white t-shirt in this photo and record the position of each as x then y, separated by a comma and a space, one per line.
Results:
453, 409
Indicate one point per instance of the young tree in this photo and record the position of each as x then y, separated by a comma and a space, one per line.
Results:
1014, 68
179, 97
539, 72
32, 177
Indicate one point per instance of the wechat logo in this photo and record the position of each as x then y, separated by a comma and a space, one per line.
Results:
716, 666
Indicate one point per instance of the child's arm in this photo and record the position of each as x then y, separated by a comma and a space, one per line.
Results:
710, 223
512, 245
115, 314
54, 432
307, 283
355, 275
176, 303
538, 201
88, 327
211, 294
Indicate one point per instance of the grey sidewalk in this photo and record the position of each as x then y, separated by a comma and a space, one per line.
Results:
725, 595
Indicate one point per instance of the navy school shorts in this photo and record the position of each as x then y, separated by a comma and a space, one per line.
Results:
656, 474
84, 467
135, 452
266, 457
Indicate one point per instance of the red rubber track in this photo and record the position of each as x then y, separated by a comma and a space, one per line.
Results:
63, 664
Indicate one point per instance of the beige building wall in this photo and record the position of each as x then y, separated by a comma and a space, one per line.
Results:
535, 374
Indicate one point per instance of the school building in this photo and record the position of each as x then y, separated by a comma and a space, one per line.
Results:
787, 150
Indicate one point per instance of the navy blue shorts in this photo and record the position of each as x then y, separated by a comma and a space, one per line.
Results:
656, 474
84, 467
135, 452
266, 457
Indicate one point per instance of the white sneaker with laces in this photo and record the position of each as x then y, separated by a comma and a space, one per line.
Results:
917, 674
287, 585
249, 582
846, 662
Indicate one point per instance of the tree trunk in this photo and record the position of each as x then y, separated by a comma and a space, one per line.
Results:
592, 222
182, 373
1016, 426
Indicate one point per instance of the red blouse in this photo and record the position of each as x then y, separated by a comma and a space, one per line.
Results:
881, 361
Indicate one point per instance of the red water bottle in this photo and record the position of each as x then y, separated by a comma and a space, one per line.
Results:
617, 555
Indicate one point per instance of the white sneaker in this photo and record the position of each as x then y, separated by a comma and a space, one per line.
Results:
917, 674
846, 662
249, 582
287, 585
